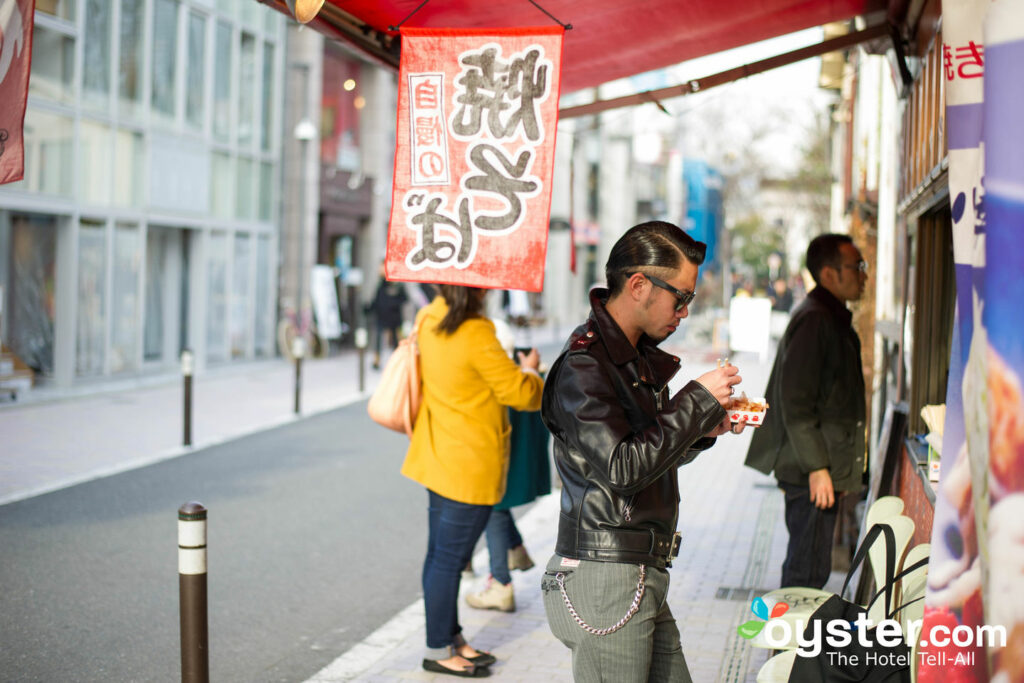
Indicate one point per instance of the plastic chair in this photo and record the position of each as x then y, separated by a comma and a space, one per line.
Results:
803, 601
909, 606
776, 669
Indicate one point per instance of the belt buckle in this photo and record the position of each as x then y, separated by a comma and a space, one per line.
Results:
677, 541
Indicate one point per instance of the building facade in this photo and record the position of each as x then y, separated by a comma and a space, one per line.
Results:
148, 218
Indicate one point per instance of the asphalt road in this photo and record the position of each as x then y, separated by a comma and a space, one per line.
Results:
314, 541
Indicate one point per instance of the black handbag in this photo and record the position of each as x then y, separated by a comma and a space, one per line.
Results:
844, 654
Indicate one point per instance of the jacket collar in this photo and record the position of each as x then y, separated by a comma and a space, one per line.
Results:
663, 365
830, 302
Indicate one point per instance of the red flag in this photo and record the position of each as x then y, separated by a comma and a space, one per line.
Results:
474, 156
16, 18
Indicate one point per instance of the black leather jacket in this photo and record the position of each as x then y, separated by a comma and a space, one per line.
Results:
618, 439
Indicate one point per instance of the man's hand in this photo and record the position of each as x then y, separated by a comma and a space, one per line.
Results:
822, 494
725, 426
720, 382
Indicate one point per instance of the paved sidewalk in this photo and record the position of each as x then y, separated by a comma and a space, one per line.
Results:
730, 516
733, 544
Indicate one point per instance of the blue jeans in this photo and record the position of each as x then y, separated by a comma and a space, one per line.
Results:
454, 529
809, 553
502, 536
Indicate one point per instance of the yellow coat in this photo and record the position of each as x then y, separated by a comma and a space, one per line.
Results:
460, 443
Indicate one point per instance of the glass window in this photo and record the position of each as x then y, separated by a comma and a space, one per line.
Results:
124, 303
53, 65
92, 298
165, 49
222, 83
263, 333
246, 205
131, 171
222, 186
266, 192
241, 301
216, 299
48, 166
62, 9
96, 61
195, 81
94, 162
247, 85
267, 119
29, 320
129, 73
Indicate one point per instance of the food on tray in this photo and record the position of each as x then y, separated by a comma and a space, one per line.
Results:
748, 410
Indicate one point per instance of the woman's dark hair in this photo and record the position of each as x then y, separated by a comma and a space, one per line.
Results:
824, 251
463, 303
656, 247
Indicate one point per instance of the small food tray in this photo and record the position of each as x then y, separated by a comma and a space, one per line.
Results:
753, 409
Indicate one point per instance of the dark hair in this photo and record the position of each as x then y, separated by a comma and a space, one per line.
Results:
824, 251
654, 246
463, 303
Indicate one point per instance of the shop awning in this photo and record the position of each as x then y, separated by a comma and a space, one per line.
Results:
609, 39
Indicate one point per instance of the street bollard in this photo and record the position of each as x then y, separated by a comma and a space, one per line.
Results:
298, 351
195, 650
186, 372
362, 339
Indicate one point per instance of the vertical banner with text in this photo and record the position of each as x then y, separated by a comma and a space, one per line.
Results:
16, 18
474, 156
959, 554
1004, 325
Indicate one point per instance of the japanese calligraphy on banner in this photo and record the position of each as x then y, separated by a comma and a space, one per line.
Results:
16, 17
475, 149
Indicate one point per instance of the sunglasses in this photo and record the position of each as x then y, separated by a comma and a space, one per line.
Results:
683, 298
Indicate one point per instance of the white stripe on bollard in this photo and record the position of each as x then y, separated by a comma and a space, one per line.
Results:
191, 561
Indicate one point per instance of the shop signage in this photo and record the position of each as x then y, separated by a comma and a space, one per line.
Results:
16, 18
477, 117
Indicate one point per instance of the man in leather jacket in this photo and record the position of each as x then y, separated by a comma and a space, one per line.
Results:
813, 433
618, 441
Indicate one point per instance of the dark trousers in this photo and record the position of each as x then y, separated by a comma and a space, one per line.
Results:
454, 529
811, 529
502, 535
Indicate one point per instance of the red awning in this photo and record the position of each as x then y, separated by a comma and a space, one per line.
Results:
610, 38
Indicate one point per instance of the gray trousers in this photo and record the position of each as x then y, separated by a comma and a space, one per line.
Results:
645, 650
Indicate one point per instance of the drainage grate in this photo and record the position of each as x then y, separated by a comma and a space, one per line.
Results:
727, 593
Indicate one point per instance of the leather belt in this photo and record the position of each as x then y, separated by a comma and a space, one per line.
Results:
645, 542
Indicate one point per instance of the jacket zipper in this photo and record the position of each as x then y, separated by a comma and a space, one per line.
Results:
627, 509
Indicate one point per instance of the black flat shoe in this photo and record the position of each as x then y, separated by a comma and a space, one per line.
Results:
483, 659
472, 671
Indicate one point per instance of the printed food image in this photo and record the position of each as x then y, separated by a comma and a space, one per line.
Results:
1006, 428
748, 410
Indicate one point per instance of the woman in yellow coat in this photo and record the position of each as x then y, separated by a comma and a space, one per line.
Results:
459, 452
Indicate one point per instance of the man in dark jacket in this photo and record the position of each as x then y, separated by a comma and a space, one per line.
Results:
813, 434
618, 441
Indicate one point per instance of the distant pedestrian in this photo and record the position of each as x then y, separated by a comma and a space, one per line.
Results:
387, 305
781, 296
619, 439
813, 436
529, 476
459, 452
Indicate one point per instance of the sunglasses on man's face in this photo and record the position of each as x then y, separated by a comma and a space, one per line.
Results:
683, 298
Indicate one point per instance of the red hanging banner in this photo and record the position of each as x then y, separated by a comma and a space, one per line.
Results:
16, 17
474, 155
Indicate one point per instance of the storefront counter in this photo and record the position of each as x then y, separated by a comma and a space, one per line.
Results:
917, 492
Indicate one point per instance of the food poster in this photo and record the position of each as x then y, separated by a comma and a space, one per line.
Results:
957, 572
1004, 323
474, 156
